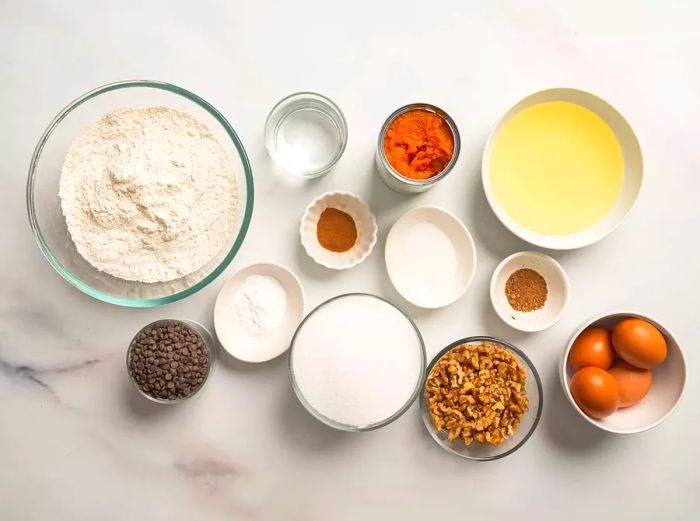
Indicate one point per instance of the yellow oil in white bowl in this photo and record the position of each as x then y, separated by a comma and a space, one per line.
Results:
556, 168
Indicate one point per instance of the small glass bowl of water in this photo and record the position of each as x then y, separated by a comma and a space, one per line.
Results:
306, 134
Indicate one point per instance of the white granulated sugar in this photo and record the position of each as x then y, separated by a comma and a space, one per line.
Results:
148, 194
259, 305
424, 267
357, 360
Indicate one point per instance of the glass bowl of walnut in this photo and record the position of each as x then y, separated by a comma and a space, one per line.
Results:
482, 398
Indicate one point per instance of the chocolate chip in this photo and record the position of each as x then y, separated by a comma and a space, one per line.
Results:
168, 361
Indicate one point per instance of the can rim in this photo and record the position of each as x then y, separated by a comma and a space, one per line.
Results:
455, 137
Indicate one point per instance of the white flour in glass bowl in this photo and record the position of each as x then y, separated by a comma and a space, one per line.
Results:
148, 194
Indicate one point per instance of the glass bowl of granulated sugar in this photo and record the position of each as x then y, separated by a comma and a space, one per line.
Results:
357, 362
140, 193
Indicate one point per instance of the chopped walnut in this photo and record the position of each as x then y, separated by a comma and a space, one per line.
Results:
476, 392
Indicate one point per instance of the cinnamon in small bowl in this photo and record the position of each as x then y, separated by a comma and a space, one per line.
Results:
338, 230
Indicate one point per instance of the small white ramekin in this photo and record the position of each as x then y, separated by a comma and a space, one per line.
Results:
364, 221
254, 348
425, 287
558, 290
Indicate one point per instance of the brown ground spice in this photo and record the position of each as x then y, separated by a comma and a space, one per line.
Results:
336, 230
526, 290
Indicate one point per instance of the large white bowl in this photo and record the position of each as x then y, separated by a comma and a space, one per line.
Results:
666, 388
631, 152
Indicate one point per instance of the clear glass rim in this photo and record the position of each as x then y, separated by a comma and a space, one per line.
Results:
208, 340
344, 139
86, 288
455, 152
471, 340
351, 428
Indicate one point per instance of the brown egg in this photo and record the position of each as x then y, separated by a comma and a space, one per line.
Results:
595, 392
639, 343
633, 383
592, 348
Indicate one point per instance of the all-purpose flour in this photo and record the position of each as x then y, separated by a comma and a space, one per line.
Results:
148, 194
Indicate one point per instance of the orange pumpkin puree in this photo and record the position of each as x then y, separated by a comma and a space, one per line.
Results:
419, 144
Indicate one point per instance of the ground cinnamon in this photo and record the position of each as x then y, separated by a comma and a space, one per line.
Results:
526, 290
336, 230
419, 144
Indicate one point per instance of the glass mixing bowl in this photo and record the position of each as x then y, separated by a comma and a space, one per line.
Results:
420, 373
44, 206
528, 423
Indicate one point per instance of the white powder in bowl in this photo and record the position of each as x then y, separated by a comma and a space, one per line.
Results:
357, 360
259, 305
148, 194
423, 264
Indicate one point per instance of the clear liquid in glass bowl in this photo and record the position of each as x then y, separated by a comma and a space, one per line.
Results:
306, 134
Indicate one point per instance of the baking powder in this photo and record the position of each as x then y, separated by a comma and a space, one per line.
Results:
259, 305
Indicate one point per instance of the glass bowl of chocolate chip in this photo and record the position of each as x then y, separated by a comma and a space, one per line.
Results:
170, 360
482, 398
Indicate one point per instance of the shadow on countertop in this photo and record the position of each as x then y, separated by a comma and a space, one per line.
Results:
306, 432
141, 407
311, 268
562, 425
297, 425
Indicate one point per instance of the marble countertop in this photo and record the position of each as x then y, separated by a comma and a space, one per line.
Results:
78, 443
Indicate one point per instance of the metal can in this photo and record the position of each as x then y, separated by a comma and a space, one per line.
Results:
393, 178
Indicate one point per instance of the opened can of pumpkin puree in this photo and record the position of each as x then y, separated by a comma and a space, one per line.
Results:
418, 145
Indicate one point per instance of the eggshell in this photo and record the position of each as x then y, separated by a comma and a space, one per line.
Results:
595, 392
639, 343
633, 383
592, 348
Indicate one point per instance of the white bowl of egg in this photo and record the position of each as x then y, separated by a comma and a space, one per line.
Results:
562, 168
623, 372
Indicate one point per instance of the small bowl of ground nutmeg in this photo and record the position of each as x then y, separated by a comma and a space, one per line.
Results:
482, 398
338, 230
418, 146
529, 291
169, 361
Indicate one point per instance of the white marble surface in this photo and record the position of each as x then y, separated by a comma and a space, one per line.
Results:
76, 443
